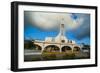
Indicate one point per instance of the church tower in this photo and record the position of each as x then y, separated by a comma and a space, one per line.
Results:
62, 33
61, 38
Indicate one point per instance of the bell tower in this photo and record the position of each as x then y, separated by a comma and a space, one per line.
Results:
61, 38
62, 33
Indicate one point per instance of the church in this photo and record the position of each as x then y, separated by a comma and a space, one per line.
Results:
60, 43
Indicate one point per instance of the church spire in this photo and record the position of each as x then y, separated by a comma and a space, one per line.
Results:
61, 36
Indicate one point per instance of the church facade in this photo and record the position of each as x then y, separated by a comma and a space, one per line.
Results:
60, 43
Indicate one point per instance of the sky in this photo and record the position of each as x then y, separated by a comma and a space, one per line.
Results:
39, 25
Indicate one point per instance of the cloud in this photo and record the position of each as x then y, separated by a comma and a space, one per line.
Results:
78, 23
50, 20
83, 30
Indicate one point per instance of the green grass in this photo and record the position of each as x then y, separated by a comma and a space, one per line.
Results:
57, 55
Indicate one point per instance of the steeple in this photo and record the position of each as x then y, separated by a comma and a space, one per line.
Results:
61, 36
62, 33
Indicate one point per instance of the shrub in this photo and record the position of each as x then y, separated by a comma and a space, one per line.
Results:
48, 56
69, 56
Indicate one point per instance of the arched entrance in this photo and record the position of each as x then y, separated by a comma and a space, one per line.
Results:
37, 47
76, 49
51, 48
66, 49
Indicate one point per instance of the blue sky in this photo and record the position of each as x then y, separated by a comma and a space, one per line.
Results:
80, 32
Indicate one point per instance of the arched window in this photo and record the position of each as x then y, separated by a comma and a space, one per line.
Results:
37, 47
51, 48
76, 48
66, 48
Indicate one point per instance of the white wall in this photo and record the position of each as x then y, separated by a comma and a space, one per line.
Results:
5, 35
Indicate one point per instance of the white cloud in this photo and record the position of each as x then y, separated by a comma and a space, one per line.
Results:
46, 20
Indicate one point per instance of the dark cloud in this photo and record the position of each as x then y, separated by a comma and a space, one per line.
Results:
84, 30
52, 20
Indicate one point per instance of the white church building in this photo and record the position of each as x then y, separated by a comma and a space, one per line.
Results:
60, 43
